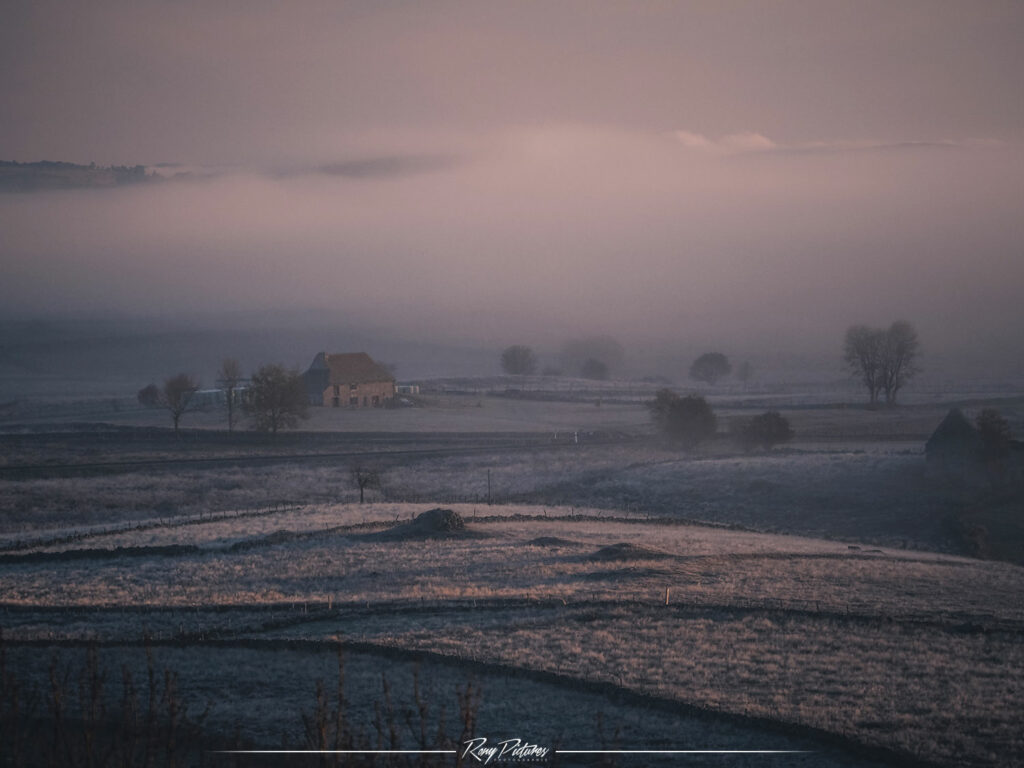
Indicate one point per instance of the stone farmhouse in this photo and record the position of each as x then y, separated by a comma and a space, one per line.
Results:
348, 380
956, 451
955, 448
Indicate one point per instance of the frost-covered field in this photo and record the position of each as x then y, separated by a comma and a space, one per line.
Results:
803, 597
914, 652
870, 492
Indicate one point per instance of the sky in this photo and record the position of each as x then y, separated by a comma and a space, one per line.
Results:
735, 175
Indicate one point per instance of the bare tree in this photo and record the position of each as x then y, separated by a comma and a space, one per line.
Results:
365, 478
862, 354
899, 351
178, 396
518, 360
229, 377
883, 359
276, 399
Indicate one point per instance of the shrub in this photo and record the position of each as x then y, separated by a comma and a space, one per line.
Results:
689, 419
768, 429
995, 435
149, 396
710, 367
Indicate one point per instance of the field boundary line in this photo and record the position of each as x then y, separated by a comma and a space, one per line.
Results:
294, 613
542, 442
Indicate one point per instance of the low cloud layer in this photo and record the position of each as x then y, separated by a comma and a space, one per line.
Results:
560, 229
749, 142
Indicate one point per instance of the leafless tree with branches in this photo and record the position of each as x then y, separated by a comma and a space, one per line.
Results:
178, 396
365, 478
276, 398
884, 359
229, 377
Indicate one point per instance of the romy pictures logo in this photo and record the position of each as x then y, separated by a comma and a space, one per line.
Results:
512, 750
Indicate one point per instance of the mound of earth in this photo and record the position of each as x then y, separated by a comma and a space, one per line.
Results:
434, 523
624, 551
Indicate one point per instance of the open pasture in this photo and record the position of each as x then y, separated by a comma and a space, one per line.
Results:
912, 653
870, 493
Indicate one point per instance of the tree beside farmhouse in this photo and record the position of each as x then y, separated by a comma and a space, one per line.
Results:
230, 377
276, 399
178, 397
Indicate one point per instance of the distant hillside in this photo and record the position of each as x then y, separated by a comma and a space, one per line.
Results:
48, 174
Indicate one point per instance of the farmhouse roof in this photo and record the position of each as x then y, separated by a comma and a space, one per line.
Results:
353, 368
955, 430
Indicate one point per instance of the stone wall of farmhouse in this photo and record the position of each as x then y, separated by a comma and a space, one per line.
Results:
371, 394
